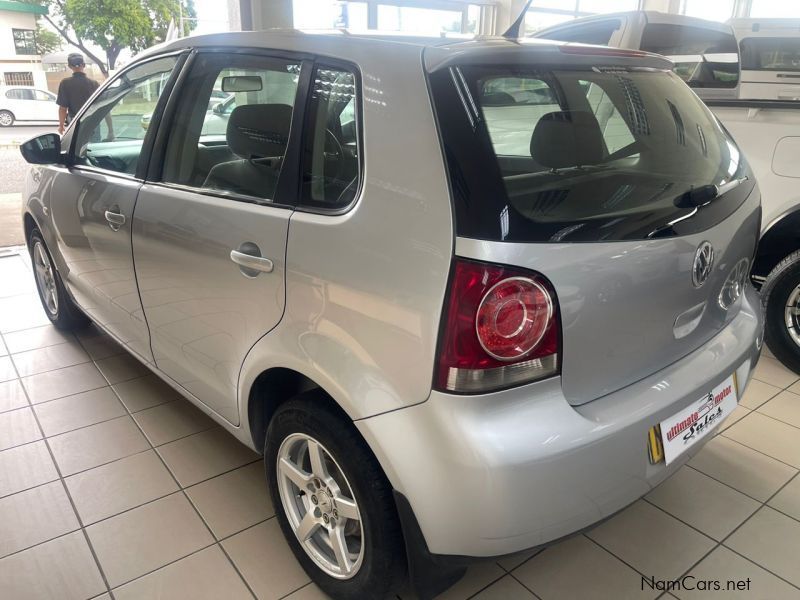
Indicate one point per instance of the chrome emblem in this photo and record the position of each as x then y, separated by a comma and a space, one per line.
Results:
703, 263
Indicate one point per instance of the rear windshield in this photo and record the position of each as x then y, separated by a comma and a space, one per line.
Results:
704, 58
582, 155
771, 54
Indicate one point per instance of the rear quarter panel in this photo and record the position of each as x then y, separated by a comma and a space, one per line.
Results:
364, 289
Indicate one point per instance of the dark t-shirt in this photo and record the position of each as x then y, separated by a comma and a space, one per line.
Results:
73, 92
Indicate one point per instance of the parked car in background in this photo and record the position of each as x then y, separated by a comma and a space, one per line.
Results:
757, 105
705, 53
21, 104
220, 106
460, 301
770, 58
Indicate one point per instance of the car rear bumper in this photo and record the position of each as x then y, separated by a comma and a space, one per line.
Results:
507, 471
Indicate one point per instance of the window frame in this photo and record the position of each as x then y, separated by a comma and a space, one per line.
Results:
16, 75
149, 138
330, 63
19, 30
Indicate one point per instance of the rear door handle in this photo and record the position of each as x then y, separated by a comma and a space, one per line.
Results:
249, 262
115, 220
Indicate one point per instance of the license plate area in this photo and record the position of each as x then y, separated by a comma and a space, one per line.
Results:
676, 434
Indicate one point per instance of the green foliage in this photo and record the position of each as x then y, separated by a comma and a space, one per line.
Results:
47, 41
114, 25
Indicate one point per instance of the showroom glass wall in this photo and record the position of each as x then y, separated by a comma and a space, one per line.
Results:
544, 13
454, 17
722, 10
434, 17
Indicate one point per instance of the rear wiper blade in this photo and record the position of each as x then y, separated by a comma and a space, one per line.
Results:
700, 196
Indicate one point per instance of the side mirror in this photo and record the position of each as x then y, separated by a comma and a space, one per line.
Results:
42, 150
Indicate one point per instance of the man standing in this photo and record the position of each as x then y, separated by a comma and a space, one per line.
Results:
73, 92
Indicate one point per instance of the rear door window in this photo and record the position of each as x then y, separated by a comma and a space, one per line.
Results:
582, 155
231, 127
770, 54
704, 58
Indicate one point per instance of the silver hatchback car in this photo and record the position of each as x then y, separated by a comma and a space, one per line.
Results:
467, 297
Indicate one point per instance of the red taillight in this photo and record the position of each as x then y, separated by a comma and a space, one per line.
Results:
500, 329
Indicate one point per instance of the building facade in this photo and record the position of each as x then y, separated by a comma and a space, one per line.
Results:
20, 64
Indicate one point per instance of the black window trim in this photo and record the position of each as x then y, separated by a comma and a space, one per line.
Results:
149, 138
334, 63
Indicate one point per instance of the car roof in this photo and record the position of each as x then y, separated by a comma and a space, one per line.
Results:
438, 50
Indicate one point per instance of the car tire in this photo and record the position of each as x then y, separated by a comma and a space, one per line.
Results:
781, 296
351, 482
57, 304
6, 118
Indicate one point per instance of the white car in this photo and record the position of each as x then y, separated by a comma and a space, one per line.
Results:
26, 104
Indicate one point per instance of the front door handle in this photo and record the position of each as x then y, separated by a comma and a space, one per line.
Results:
251, 264
115, 220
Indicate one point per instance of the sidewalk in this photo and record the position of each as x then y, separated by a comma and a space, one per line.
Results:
11, 233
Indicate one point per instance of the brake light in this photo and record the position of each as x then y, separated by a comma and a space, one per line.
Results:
500, 329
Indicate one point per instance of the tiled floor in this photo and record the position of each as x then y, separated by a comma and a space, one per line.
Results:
111, 484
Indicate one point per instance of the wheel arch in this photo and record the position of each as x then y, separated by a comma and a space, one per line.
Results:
779, 240
29, 224
273, 388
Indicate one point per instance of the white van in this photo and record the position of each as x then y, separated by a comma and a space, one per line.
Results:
770, 58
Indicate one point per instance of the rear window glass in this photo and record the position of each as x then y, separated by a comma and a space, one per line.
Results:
574, 155
771, 54
703, 58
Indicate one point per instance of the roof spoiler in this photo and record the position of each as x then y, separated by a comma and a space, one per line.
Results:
512, 33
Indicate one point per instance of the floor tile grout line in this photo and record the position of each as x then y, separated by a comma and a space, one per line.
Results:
703, 533
189, 500
536, 553
29, 375
94, 389
28, 489
783, 462
619, 558
167, 564
71, 500
302, 587
728, 485
488, 585
519, 581
727, 537
37, 544
758, 410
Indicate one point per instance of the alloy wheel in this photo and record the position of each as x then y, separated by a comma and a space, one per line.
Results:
320, 506
6, 119
792, 315
45, 278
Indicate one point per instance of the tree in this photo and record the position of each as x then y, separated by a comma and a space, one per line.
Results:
114, 25
47, 41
